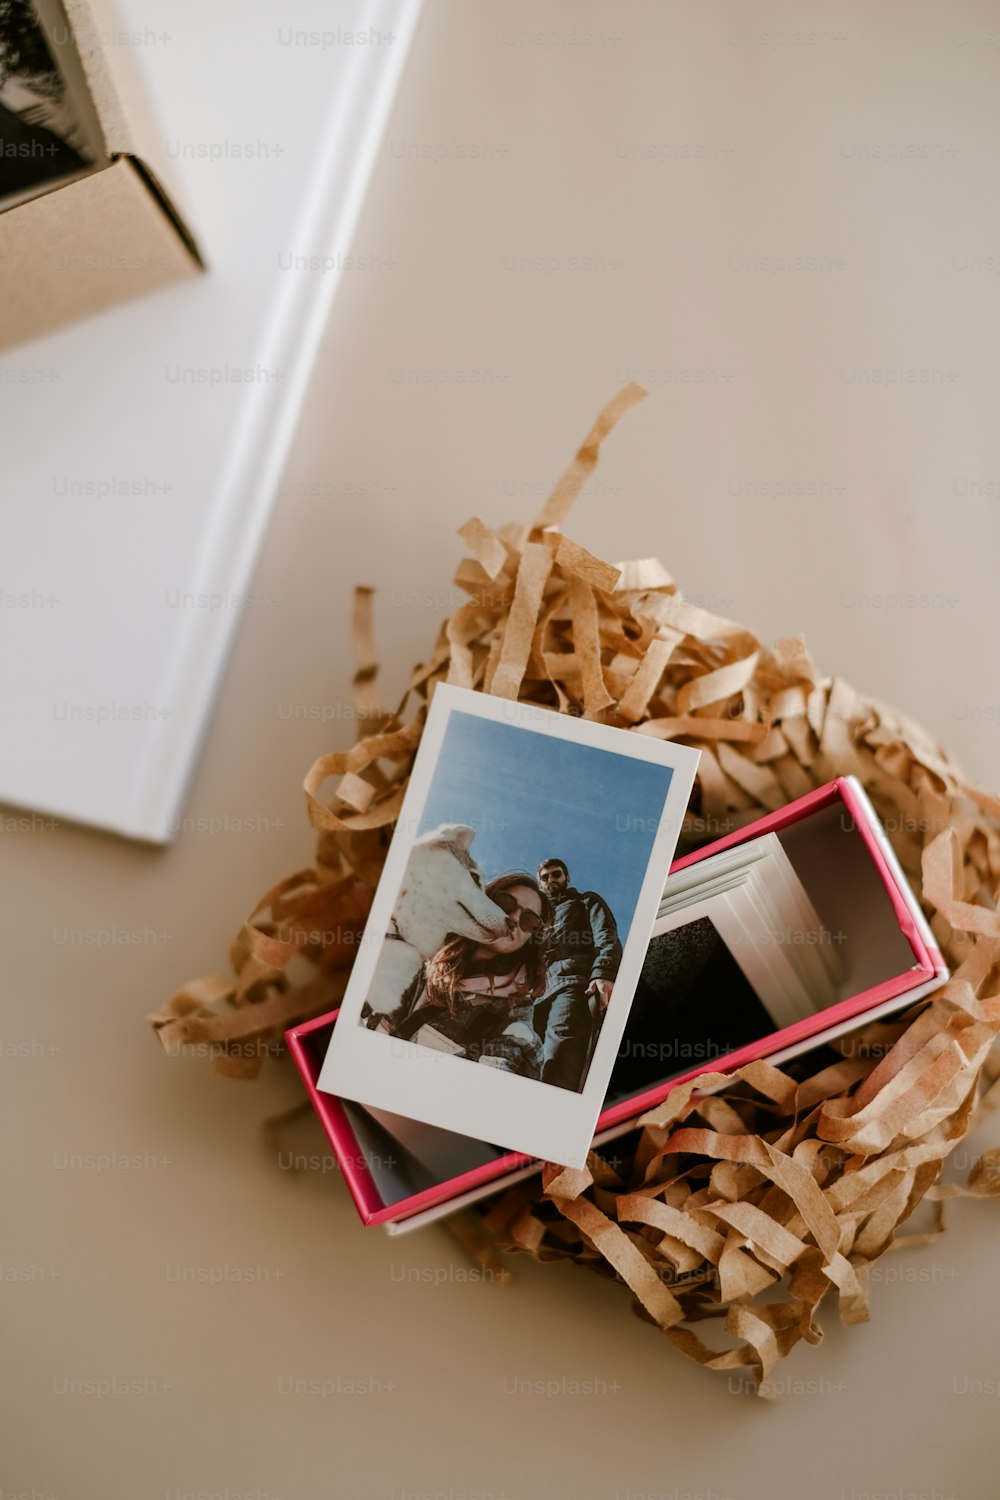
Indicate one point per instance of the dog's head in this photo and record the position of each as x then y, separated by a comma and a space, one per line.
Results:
442, 892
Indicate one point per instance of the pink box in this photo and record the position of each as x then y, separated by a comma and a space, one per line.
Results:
842, 855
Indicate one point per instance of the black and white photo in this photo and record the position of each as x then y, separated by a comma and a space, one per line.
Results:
48, 127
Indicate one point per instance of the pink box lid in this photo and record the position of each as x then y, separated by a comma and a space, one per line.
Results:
928, 963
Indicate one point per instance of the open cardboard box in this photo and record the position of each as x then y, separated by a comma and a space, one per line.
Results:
112, 229
888, 956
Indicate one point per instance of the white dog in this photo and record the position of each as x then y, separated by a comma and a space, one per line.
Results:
441, 893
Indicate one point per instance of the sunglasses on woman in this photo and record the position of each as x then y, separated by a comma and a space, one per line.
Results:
528, 921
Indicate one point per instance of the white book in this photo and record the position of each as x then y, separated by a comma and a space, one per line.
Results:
140, 462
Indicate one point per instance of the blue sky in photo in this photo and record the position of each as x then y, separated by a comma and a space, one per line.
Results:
530, 797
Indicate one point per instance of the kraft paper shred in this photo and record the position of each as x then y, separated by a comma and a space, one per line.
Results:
740, 1211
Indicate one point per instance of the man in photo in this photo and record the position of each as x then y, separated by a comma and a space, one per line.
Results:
582, 957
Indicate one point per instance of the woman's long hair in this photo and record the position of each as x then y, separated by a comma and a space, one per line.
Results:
454, 961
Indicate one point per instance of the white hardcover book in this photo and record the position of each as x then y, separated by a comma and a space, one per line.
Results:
143, 448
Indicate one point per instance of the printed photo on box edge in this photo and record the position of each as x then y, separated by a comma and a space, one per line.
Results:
510, 924
506, 932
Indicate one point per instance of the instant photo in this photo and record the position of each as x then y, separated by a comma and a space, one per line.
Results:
511, 923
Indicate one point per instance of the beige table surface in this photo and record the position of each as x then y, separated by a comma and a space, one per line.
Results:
764, 212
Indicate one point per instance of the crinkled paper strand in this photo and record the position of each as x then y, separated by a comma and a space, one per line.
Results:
739, 1210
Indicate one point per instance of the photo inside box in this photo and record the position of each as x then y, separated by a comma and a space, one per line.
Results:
673, 1025
48, 123
693, 1005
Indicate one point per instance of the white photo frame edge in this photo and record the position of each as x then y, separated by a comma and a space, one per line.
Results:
521, 1114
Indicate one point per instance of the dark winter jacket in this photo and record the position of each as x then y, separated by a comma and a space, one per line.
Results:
583, 941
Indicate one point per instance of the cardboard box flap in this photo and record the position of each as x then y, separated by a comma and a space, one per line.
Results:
123, 108
106, 241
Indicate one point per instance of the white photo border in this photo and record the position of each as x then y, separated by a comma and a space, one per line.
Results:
521, 1114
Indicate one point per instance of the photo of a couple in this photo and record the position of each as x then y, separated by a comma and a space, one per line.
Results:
508, 925
508, 929
529, 999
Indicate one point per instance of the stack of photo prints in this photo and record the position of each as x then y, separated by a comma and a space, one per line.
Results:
738, 926
529, 959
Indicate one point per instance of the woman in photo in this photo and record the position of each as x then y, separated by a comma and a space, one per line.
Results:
478, 998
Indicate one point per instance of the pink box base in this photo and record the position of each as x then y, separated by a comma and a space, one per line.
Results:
307, 1042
